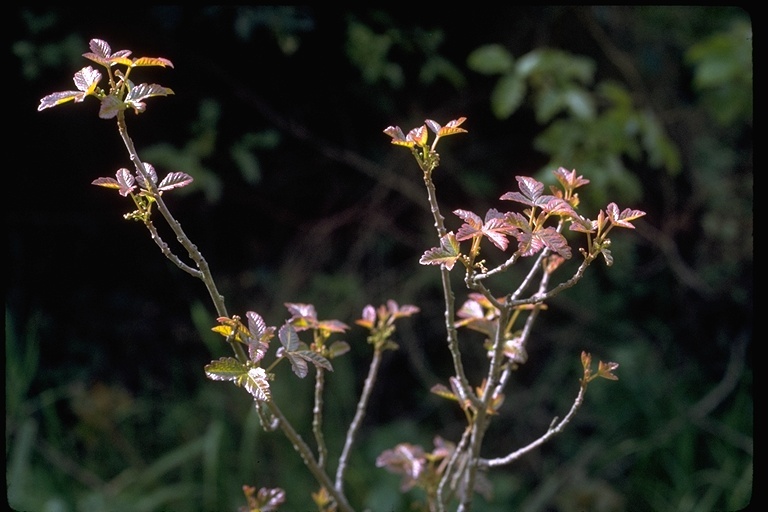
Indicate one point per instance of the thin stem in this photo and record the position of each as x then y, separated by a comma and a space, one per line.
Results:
362, 405
309, 460
450, 300
194, 253
554, 429
317, 418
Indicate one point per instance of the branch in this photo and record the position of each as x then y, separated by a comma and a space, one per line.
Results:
554, 429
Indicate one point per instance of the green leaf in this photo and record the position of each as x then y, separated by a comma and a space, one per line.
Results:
492, 59
508, 95
338, 348
225, 368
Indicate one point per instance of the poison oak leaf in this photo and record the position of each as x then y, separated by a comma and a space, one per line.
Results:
174, 180
297, 352
624, 218
495, 227
446, 254
86, 80
253, 379
451, 128
137, 94
101, 53
605, 370
123, 182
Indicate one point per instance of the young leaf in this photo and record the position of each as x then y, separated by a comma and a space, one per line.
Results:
101, 53
554, 241
288, 338
495, 227
622, 219
124, 182
259, 336
257, 384
136, 96
338, 348
299, 365
151, 61
225, 368
443, 391
446, 254
303, 316
86, 80
175, 180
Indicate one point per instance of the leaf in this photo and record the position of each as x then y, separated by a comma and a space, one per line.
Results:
258, 337
86, 80
225, 368
491, 59
175, 180
624, 218
554, 241
446, 254
144, 91
151, 61
398, 137
101, 53
124, 182
507, 95
298, 364
311, 356
332, 326
472, 227
338, 348
303, 316
288, 337
110, 106
443, 391
149, 169
605, 370
257, 384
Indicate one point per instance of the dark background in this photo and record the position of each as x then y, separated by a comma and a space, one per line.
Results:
300, 197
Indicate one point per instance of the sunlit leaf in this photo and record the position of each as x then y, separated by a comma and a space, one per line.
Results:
175, 180
605, 370
554, 241
624, 218
443, 391
225, 368
446, 254
151, 61
101, 53
257, 384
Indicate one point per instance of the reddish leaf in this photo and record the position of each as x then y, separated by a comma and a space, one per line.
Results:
623, 218
175, 180
446, 254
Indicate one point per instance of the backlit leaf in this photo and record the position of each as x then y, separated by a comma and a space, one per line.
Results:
152, 61
175, 180
225, 368
446, 254
288, 337
257, 384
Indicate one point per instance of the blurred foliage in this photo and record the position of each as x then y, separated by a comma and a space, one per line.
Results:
278, 114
